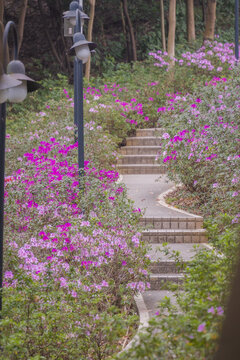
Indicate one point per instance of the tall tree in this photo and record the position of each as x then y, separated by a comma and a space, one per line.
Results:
163, 26
90, 30
172, 28
210, 20
190, 21
21, 22
130, 29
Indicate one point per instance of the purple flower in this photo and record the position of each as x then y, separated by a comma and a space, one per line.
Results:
220, 311
211, 310
201, 327
8, 275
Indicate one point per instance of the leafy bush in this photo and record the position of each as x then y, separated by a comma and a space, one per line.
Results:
190, 329
73, 257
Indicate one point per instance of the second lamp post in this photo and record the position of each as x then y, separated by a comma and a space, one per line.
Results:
73, 23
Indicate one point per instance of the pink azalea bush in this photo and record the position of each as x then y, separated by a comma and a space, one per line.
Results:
73, 257
201, 148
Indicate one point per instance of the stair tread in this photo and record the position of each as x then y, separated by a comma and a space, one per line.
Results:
186, 252
139, 155
136, 165
167, 275
173, 231
143, 137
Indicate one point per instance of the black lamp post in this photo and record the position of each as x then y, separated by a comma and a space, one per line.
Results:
237, 29
14, 85
73, 23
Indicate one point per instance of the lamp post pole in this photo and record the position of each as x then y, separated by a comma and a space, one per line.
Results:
78, 105
237, 29
14, 85
73, 24
2, 176
9, 25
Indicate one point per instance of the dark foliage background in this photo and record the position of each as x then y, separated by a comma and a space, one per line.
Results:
44, 43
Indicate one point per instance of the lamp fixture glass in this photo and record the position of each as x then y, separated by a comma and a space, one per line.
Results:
82, 53
18, 93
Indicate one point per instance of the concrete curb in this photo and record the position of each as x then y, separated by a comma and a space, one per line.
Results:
143, 319
162, 202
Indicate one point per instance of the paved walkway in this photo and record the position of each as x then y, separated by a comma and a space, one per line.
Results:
144, 190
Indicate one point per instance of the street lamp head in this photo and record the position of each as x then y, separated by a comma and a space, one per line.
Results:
82, 47
6, 82
71, 13
16, 70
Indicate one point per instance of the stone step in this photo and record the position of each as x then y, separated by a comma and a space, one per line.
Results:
149, 132
163, 263
141, 169
139, 150
161, 281
137, 159
189, 223
152, 298
143, 141
158, 236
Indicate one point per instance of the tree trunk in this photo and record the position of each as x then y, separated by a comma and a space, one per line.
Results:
90, 30
131, 31
172, 28
190, 21
210, 20
125, 33
203, 12
21, 22
163, 26
1, 10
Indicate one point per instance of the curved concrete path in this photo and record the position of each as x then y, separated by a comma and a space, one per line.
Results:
145, 189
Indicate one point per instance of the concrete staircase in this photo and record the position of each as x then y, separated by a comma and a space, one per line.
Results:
181, 235
139, 154
179, 230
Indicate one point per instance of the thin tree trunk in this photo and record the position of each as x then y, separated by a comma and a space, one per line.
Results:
90, 30
163, 26
210, 20
131, 31
172, 28
203, 12
125, 33
21, 22
190, 21
1, 10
